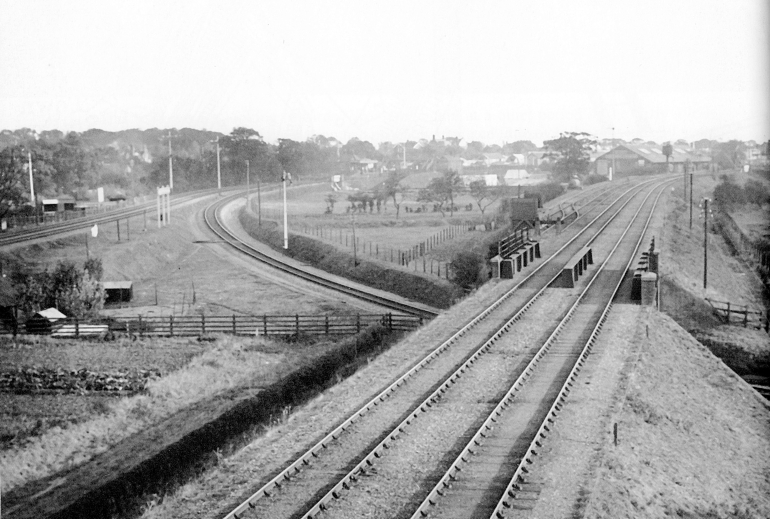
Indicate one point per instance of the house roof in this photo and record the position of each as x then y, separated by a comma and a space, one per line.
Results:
655, 155
117, 285
51, 314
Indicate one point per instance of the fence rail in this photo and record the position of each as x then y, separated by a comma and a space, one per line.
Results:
186, 326
731, 313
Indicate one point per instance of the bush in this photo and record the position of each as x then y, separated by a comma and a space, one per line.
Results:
330, 259
594, 179
728, 194
466, 267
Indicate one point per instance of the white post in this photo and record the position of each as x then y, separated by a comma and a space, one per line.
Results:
219, 173
285, 216
170, 166
31, 183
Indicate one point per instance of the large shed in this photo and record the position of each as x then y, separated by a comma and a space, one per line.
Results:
118, 291
638, 159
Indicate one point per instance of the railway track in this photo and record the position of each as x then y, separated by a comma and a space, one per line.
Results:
52, 229
214, 222
350, 454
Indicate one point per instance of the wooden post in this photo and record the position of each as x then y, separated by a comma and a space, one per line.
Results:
117, 222
128, 229
141, 328
171, 325
77, 327
264, 324
235, 329
358, 323
326, 324
296, 317
203, 324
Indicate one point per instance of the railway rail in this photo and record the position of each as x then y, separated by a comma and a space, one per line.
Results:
29, 233
213, 220
291, 489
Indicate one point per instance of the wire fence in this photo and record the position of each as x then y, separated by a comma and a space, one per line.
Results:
415, 257
185, 326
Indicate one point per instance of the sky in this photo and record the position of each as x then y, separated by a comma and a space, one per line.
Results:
492, 71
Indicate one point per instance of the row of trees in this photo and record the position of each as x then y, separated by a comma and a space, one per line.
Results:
76, 292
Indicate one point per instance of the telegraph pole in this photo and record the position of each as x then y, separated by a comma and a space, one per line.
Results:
247, 183
705, 241
219, 173
285, 214
170, 165
690, 199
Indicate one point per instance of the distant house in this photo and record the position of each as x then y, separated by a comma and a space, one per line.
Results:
43, 321
494, 158
118, 291
636, 159
57, 205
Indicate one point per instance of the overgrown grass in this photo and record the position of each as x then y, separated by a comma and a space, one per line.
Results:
330, 259
228, 364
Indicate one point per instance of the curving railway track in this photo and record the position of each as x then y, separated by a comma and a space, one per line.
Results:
398, 455
214, 222
49, 230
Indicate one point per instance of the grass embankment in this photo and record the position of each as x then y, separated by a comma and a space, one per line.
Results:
149, 443
328, 258
693, 439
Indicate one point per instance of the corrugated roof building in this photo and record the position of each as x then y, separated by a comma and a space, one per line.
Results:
648, 159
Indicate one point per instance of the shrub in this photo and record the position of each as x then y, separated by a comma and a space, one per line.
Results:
466, 267
594, 179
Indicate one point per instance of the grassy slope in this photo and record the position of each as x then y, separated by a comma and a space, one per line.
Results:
694, 437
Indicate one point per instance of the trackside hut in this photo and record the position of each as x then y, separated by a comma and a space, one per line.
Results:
118, 291
631, 159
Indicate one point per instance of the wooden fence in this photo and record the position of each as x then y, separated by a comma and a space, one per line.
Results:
731, 313
185, 326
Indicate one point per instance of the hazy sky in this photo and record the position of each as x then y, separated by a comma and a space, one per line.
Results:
493, 71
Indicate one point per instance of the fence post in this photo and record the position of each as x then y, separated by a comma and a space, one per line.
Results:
235, 330
203, 324
296, 318
171, 325
358, 323
326, 324
77, 327
141, 328
264, 324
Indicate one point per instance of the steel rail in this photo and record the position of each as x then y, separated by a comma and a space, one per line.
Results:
276, 482
48, 230
477, 440
345, 482
213, 221
295, 467
513, 485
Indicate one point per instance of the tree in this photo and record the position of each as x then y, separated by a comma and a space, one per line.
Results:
756, 192
330, 200
571, 152
11, 175
481, 192
441, 191
75, 292
667, 150
392, 189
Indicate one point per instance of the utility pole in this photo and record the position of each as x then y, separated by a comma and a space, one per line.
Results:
613, 154
690, 199
705, 241
219, 173
353, 221
259, 203
247, 183
285, 213
32, 199
170, 165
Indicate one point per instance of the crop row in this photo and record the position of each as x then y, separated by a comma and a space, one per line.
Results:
29, 379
